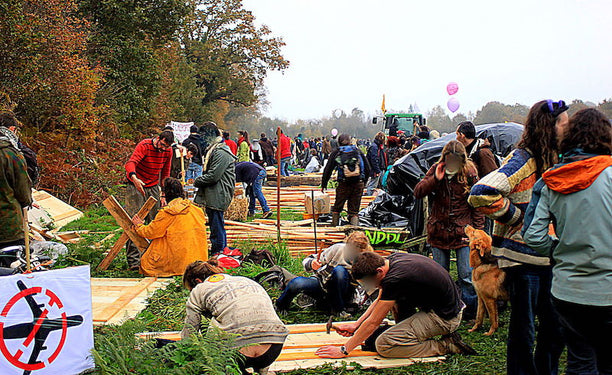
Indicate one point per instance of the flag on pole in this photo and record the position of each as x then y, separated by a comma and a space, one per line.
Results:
382, 107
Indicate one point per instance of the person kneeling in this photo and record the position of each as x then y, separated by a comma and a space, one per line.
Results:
406, 282
178, 234
331, 280
237, 305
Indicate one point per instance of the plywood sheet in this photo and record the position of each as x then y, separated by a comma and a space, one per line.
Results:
116, 300
61, 212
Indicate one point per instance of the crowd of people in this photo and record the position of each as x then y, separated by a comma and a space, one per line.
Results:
546, 206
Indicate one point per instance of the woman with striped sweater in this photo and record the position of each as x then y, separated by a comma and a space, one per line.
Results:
504, 195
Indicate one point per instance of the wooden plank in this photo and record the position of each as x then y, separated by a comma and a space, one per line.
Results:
125, 222
142, 213
124, 299
311, 355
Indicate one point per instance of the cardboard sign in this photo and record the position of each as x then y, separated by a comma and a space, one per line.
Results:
46, 323
181, 130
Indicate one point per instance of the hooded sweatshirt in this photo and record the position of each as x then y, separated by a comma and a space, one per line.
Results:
178, 236
575, 198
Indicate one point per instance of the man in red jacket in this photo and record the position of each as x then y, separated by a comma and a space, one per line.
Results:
147, 167
230, 143
285, 147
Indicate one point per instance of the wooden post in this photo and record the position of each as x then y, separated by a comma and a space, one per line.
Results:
314, 223
278, 183
125, 222
26, 229
112, 254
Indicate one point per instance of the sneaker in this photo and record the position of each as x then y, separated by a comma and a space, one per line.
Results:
266, 214
457, 346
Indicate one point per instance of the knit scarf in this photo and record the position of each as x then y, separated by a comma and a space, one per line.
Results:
7, 135
218, 142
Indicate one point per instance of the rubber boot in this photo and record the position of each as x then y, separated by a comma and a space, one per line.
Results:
335, 219
354, 220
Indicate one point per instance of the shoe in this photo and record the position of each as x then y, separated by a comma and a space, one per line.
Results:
335, 219
457, 346
250, 214
266, 214
354, 220
343, 315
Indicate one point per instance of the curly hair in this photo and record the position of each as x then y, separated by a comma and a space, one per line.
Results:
540, 137
457, 149
590, 130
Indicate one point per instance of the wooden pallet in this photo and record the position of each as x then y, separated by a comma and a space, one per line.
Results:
302, 343
115, 300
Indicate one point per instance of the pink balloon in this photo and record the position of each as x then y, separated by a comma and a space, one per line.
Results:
453, 104
452, 88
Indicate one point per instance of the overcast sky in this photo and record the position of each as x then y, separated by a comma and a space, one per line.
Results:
348, 53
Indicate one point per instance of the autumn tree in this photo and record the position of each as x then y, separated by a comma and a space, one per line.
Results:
229, 54
43, 66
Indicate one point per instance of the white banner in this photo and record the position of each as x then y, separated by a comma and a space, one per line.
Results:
46, 323
181, 130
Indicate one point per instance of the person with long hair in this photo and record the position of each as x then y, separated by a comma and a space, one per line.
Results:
503, 195
576, 196
244, 146
177, 234
237, 305
448, 184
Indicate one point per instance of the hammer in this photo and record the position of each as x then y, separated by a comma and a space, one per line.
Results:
329, 326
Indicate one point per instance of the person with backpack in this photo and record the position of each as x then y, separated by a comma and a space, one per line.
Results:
10, 122
331, 280
353, 170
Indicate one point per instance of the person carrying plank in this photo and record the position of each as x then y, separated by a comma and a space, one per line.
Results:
236, 305
149, 165
406, 283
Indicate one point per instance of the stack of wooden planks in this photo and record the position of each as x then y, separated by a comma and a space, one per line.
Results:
299, 235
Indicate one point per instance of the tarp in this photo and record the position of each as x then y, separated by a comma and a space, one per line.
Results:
397, 207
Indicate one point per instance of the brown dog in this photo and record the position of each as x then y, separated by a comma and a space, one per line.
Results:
487, 278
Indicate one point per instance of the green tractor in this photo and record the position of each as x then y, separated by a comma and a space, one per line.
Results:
406, 122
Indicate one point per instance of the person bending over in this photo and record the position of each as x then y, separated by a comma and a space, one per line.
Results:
236, 305
406, 283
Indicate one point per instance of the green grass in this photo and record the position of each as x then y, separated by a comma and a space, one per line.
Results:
116, 351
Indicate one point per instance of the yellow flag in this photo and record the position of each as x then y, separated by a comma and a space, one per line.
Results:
382, 107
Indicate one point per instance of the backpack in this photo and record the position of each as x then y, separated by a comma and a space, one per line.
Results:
350, 163
31, 162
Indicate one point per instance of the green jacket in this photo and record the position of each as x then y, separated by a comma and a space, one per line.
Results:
15, 192
217, 182
576, 197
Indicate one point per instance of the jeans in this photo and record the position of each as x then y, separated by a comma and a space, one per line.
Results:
255, 192
284, 167
261, 362
337, 290
529, 290
464, 271
218, 239
194, 171
587, 331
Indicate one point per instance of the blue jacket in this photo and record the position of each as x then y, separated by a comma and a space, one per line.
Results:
576, 198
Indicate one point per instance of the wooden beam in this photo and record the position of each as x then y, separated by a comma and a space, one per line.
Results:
311, 355
125, 222
112, 254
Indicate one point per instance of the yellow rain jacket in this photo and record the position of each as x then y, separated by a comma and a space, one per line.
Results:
178, 236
